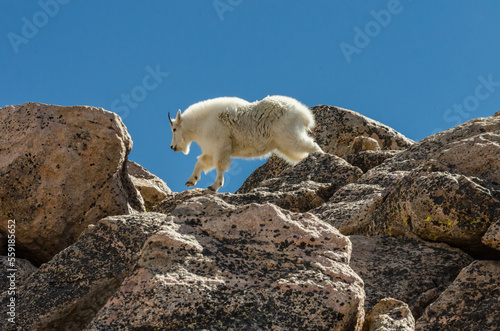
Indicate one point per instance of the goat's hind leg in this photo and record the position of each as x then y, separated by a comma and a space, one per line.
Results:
204, 163
222, 163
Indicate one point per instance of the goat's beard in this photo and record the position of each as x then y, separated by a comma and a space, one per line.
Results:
186, 150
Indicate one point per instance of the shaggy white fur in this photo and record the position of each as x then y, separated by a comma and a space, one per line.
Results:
232, 127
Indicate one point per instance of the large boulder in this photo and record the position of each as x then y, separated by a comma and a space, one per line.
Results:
407, 269
66, 293
338, 131
207, 265
219, 266
61, 169
471, 302
444, 188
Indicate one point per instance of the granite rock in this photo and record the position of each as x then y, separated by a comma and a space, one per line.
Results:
407, 269
219, 266
66, 292
337, 129
444, 188
390, 315
23, 269
366, 160
492, 237
471, 302
153, 189
61, 169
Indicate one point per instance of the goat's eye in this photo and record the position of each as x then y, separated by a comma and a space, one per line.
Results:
174, 130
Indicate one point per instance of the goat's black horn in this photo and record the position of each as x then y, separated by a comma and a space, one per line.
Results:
170, 119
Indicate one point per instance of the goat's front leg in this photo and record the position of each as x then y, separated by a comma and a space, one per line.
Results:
222, 163
204, 163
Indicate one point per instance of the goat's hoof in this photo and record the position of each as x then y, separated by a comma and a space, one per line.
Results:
212, 188
189, 183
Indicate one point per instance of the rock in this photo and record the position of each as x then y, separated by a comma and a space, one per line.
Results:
361, 143
435, 189
492, 237
337, 128
20, 269
153, 190
390, 315
439, 206
406, 269
300, 188
66, 292
238, 267
3, 244
308, 184
271, 169
471, 302
367, 160
61, 169
350, 204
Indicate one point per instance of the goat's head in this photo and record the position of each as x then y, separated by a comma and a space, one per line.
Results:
179, 139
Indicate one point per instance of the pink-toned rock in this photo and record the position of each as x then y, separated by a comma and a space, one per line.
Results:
61, 169
444, 188
337, 129
300, 188
471, 302
246, 267
492, 237
152, 188
66, 292
408, 269
390, 315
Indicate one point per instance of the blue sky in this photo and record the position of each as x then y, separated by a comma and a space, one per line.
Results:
417, 66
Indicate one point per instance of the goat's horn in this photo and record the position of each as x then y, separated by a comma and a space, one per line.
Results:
170, 120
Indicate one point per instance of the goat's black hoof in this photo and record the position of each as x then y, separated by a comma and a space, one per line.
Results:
211, 189
189, 184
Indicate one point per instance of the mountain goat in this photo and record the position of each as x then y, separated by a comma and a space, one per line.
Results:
232, 127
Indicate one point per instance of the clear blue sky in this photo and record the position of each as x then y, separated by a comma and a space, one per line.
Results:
417, 66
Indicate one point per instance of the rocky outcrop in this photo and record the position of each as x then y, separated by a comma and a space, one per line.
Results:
366, 160
472, 302
301, 188
339, 130
153, 189
272, 256
390, 315
66, 293
407, 269
61, 169
250, 267
212, 264
444, 188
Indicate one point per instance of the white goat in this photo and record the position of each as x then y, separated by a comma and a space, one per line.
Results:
232, 127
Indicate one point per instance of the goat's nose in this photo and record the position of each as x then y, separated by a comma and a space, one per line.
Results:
172, 146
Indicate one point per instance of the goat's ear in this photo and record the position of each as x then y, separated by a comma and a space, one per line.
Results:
178, 119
